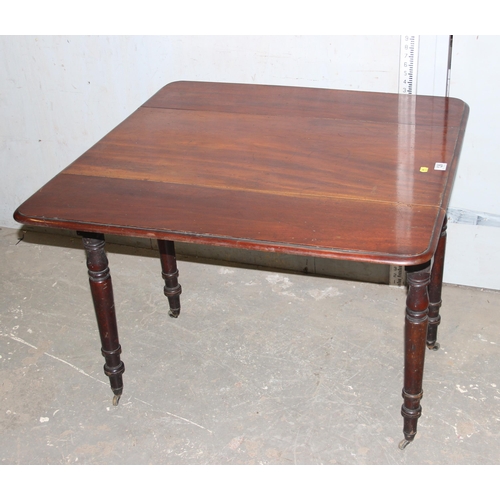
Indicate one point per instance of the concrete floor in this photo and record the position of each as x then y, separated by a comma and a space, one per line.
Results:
262, 366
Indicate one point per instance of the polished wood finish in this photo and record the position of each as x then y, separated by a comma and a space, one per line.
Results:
435, 288
170, 274
104, 305
315, 172
304, 171
416, 322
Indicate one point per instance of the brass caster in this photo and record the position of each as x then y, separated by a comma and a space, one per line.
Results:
403, 444
116, 398
434, 347
174, 313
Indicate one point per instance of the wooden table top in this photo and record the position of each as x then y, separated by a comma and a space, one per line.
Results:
329, 173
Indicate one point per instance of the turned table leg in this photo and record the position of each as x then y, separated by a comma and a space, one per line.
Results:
435, 287
417, 304
102, 295
172, 289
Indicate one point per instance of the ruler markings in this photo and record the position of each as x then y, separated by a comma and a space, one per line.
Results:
407, 85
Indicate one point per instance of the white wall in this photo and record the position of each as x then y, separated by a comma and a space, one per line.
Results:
474, 243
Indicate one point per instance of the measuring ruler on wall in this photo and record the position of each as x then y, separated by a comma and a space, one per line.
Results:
408, 59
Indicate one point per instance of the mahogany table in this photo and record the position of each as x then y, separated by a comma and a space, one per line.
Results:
358, 176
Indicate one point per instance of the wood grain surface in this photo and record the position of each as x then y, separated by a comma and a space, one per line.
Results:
307, 171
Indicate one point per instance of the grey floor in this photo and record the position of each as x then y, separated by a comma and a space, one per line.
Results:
262, 366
